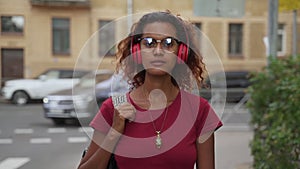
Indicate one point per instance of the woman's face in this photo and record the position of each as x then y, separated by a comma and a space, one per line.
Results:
159, 48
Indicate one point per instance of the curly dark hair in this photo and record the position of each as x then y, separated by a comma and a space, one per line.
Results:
185, 32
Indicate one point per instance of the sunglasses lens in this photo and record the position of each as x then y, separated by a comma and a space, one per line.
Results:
149, 42
168, 43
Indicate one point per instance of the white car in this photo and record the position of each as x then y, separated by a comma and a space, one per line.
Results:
82, 102
20, 91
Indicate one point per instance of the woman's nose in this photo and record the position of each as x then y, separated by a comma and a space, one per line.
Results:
158, 49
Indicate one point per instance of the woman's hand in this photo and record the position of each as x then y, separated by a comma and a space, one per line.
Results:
123, 112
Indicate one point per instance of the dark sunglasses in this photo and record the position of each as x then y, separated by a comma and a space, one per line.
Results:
169, 44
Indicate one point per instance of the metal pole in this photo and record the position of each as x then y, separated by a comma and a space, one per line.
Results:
272, 28
129, 13
295, 34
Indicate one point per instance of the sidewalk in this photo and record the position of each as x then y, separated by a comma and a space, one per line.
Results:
232, 148
233, 138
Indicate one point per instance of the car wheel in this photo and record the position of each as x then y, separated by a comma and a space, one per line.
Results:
58, 121
20, 98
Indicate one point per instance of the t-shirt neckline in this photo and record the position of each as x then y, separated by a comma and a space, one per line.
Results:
143, 109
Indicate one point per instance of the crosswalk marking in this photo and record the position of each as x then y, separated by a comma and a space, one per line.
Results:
40, 140
77, 139
13, 163
6, 141
57, 130
23, 131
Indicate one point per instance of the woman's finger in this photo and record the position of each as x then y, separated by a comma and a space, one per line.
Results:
127, 111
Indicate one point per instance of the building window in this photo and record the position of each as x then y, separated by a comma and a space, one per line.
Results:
199, 33
235, 46
107, 46
281, 38
12, 24
198, 25
61, 36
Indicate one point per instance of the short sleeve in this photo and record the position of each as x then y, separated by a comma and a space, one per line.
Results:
104, 118
208, 121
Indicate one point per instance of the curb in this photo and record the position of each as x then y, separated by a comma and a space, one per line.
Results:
2, 100
236, 127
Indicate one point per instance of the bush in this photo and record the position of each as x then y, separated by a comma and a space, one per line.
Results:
275, 115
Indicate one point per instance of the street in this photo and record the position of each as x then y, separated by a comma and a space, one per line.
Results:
30, 141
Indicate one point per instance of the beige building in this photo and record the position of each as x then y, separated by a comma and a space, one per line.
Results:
41, 34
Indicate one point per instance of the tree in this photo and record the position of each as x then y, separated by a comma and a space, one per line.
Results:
291, 5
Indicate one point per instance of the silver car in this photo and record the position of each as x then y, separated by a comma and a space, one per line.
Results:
83, 101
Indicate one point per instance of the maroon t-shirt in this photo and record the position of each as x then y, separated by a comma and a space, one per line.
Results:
181, 123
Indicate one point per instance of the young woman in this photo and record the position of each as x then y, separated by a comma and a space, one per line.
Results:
162, 125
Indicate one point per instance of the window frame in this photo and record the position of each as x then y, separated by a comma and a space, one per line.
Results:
112, 33
198, 25
238, 39
281, 32
60, 52
12, 33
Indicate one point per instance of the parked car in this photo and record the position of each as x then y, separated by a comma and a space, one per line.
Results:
84, 100
20, 91
233, 84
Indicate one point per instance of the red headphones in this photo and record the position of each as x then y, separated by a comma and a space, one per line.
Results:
182, 55
136, 52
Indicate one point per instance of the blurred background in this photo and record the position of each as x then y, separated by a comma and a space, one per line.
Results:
42, 60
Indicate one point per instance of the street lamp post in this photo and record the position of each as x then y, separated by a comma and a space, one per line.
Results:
272, 28
129, 13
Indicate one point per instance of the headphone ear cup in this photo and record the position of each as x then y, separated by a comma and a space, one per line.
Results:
136, 53
182, 54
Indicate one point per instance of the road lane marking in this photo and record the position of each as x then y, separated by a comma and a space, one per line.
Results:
85, 129
23, 131
6, 141
77, 139
57, 130
40, 140
13, 163
88, 130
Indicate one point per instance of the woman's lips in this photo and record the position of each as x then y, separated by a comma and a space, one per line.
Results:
158, 63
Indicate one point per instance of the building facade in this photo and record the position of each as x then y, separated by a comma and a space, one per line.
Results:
40, 34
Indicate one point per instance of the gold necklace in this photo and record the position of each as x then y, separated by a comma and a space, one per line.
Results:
158, 140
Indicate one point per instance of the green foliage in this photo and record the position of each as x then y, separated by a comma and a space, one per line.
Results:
275, 115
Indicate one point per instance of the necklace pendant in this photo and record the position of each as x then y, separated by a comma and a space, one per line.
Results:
158, 141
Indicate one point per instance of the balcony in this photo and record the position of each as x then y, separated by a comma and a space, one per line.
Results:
61, 3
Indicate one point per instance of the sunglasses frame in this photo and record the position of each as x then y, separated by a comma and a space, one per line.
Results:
156, 41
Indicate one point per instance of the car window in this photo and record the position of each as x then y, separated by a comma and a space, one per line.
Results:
52, 74
90, 79
66, 74
72, 74
79, 73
